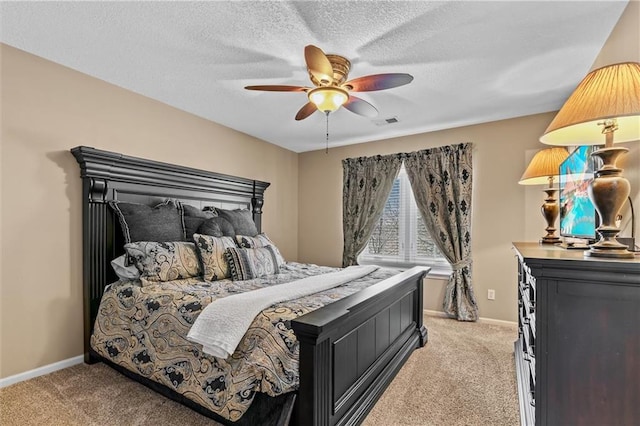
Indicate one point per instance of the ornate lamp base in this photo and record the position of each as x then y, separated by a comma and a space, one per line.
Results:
550, 240
550, 212
608, 191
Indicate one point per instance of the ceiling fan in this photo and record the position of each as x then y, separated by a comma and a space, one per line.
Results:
329, 75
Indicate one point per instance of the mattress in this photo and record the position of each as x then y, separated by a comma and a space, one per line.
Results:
143, 329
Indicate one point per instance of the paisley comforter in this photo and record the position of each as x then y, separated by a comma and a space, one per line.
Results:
144, 329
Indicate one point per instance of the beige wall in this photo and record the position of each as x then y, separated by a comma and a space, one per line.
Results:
503, 211
48, 109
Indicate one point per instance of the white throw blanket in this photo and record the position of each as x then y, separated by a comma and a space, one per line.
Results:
220, 326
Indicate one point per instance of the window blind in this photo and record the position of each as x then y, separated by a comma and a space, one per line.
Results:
400, 236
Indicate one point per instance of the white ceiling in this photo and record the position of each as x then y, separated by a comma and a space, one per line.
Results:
472, 61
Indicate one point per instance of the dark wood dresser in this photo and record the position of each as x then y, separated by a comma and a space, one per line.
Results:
578, 349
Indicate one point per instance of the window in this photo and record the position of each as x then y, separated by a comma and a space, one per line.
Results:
400, 237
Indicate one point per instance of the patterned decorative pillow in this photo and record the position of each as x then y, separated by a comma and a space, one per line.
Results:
241, 220
216, 227
139, 222
250, 263
211, 251
193, 218
260, 240
164, 261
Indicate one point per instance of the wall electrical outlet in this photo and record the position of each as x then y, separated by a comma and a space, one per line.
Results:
491, 294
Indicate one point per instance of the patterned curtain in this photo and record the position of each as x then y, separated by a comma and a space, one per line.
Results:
367, 184
441, 182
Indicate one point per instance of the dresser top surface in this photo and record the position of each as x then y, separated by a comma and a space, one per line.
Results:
532, 251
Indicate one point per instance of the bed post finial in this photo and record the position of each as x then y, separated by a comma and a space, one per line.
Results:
257, 201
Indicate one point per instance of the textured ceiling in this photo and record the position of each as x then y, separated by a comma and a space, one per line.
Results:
472, 61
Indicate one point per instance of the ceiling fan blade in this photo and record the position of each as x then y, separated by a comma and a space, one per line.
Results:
308, 109
373, 82
318, 64
278, 88
361, 107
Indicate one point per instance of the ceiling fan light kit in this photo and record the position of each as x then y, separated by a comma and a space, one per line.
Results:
328, 99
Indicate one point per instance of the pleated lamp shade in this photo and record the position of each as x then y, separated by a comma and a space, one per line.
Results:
543, 165
605, 93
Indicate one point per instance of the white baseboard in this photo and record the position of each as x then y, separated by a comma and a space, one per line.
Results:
498, 322
41, 371
481, 319
433, 313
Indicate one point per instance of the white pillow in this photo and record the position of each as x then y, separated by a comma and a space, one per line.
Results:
124, 272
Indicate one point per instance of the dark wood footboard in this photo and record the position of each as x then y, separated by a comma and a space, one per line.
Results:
352, 349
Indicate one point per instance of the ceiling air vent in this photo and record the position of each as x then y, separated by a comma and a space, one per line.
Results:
385, 121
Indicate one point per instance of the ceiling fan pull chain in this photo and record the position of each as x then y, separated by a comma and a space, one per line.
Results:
326, 150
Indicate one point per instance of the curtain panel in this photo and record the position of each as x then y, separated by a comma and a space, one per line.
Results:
367, 183
441, 183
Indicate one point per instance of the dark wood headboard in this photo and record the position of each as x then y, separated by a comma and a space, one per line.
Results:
110, 176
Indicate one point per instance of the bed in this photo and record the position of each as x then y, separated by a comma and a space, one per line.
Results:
347, 351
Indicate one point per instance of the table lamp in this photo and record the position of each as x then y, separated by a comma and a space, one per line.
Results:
544, 168
606, 102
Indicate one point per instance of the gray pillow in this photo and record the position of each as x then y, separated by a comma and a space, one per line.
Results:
250, 263
216, 227
194, 217
140, 222
260, 240
241, 220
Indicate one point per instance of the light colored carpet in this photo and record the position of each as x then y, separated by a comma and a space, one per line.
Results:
465, 375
